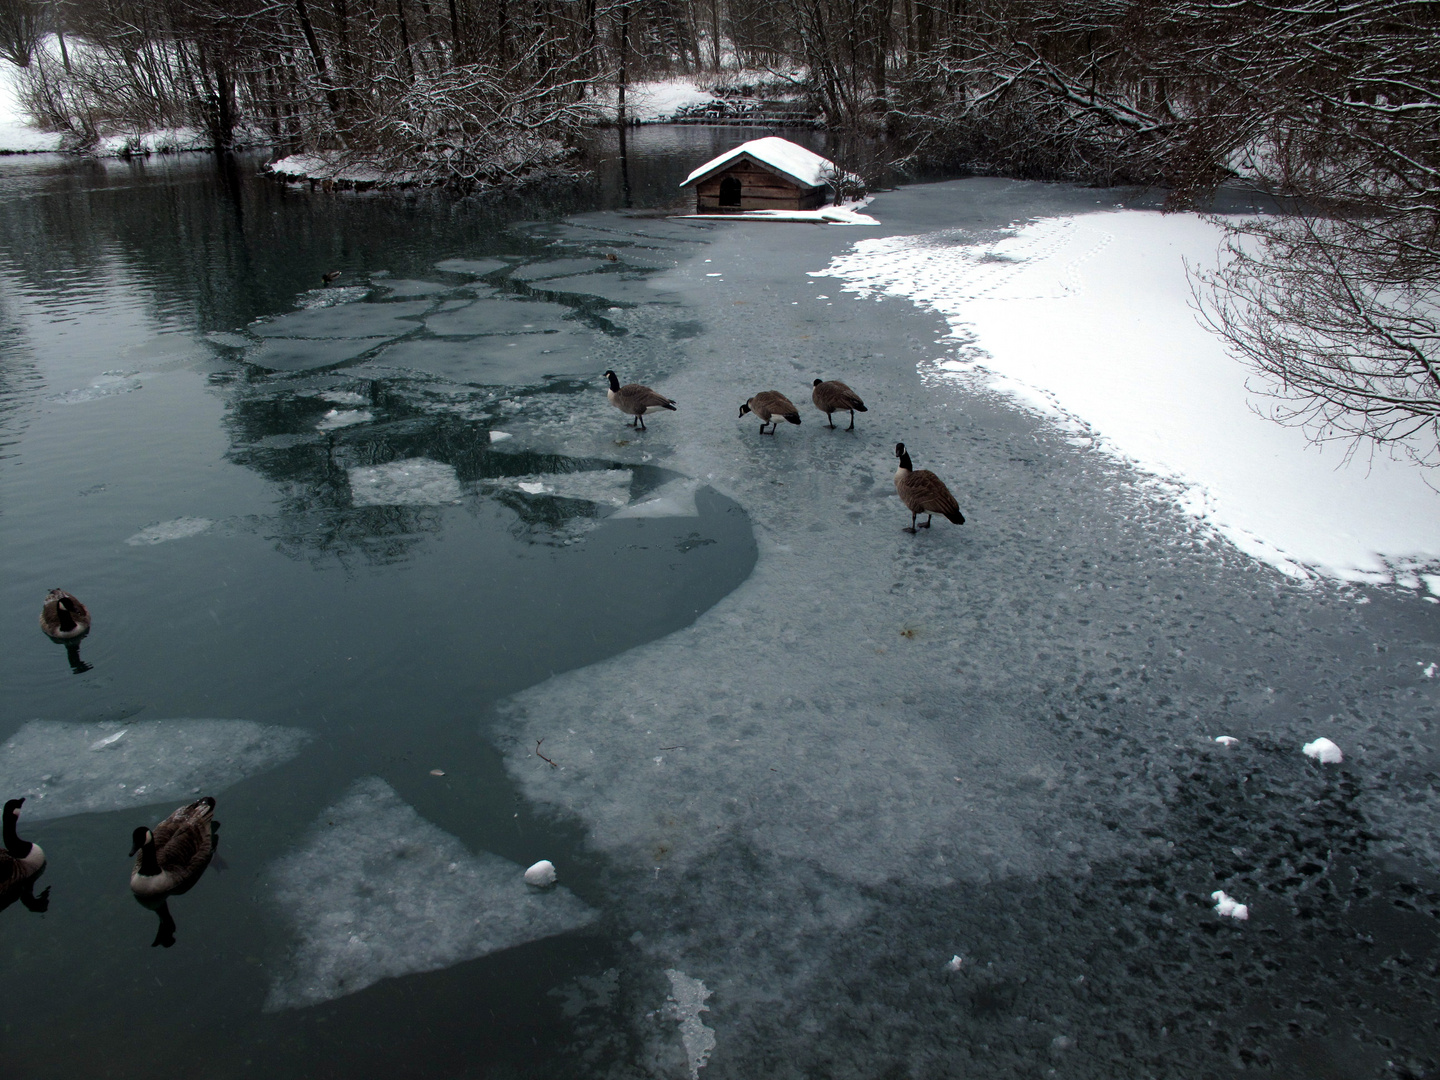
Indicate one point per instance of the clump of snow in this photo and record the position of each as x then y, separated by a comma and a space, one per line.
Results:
375, 891
1227, 907
1226, 740
541, 875
68, 768
1088, 319
803, 166
686, 1003
955, 963
1324, 751
339, 418
409, 482
179, 529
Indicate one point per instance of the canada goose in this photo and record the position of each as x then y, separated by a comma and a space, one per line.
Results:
923, 492
632, 399
20, 864
612, 257
769, 406
329, 276
172, 857
833, 395
63, 616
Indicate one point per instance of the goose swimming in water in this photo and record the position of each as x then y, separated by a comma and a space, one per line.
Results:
173, 855
329, 276
923, 492
63, 616
830, 397
633, 399
20, 864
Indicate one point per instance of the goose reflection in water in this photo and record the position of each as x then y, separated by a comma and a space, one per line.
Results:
173, 856
21, 863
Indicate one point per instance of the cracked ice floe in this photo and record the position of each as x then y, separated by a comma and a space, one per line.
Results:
65, 768
607, 487
686, 1003
178, 529
1324, 751
376, 891
409, 482
675, 499
1228, 907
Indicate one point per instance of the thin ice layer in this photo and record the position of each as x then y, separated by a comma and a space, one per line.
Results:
409, 482
497, 317
607, 487
516, 360
181, 528
376, 891
64, 768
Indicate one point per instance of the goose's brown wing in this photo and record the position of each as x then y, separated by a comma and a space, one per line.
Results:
834, 395
926, 493
774, 403
184, 842
642, 397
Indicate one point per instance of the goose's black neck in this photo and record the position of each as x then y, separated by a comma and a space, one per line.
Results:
149, 864
905, 462
13, 844
614, 382
67, 622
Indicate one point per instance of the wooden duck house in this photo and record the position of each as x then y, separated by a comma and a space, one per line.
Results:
763, 174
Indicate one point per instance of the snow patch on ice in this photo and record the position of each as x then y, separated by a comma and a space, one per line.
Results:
1324, 751
1229, 908
339, 418
686, 1002
178, 529
409, 482
1088, 319
375, 891
69, 768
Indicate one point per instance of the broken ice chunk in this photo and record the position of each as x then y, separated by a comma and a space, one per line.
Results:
541, 875
1324, 751
500, 436
411, 482
1226, 740
88, 768
1227, 907
375, 891
338, 418
954, 963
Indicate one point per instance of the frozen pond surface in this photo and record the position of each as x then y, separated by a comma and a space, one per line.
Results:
825, 799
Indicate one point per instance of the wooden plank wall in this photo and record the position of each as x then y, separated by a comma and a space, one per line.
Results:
761, 189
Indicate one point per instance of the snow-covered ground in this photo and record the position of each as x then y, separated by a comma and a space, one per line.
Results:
17, 135
1090, 319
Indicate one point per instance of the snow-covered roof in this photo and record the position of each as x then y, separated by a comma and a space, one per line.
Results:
805, 167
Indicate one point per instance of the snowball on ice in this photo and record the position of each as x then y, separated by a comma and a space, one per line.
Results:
1228, 907
1226, 740
375, 891
64, 768
954, 963
541, 875
1324, 751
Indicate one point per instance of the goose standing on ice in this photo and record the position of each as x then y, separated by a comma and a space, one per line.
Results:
830, 397
329, 276
633, 399
173, 855
923, 492
20, 864
771, 406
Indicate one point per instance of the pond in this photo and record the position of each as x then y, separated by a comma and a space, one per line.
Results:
376, 565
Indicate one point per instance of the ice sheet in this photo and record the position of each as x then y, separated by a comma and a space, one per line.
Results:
69, 768
308, 354
340, 418
178, 529
675, 499
498, 317
556, 268
1089, 319
617, 288
376, 891
517, 360
607, 487
474, 267
344, 321
409, 482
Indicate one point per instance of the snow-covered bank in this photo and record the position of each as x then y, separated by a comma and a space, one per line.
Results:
1090, 319
17, 134
698, 98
